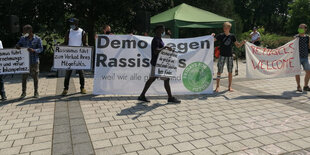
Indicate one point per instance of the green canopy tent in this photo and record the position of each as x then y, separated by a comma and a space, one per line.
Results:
186, 16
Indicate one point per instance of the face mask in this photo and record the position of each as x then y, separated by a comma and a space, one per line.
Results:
301, 31
72, 27
108, 32
26, 35
163, 34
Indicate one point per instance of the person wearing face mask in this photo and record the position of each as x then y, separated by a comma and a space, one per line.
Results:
2, 91
156, 46
106, 29
33, 43
304, 46
75, 37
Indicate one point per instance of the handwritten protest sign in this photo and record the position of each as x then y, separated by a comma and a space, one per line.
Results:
167, 63
273, 63
73, 58
14, 61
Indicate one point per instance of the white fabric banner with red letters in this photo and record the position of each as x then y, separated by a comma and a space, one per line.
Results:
272, 63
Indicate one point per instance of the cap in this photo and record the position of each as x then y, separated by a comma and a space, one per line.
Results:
73, 20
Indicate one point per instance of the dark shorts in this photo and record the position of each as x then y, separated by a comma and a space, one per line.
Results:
221, 63
304, 62
257, 43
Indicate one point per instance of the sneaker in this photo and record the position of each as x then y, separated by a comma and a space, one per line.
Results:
65, 92
36, 95
143, 98
23, 95
173, 100
4, 98
83, 91
306, 88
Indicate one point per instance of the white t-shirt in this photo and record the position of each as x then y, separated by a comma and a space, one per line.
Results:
255, 36
1, 47
75, 37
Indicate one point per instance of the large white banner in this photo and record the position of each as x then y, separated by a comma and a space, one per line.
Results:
73, 58
14, 61
122, 65
272, 63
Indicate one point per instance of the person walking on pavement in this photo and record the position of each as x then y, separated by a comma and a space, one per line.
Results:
75, 37
156, 46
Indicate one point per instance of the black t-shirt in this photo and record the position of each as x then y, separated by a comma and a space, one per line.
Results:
156, 43
226, 43
303, 46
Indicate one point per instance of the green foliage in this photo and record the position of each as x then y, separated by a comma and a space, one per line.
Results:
299, 12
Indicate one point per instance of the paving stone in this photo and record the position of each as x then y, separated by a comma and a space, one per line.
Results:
169, 149
236, 146
62, 148
202, 151
133, 147
167, 141
151, 144
219, 149
110, 150
201, 143
83, 149
185, 146
148, 152
35, 147
287, 146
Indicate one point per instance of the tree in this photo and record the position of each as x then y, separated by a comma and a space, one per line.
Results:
271, 14
299, 12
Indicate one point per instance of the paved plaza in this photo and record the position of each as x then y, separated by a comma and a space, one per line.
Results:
260, 117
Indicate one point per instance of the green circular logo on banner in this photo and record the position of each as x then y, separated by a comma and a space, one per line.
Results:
197, 77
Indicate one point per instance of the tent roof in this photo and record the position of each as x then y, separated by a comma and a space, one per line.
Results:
184, 12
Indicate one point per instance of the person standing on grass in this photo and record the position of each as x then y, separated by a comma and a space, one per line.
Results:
75, 37
156, 46
2, 91
304, 46
33, 43
226, 40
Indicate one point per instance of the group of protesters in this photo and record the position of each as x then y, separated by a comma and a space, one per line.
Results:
76, 36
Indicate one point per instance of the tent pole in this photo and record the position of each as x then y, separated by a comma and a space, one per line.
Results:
175, 30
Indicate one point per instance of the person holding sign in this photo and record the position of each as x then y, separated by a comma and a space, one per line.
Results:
156, 46
75, 37
226, 40
2, 91
304, 46
33, 43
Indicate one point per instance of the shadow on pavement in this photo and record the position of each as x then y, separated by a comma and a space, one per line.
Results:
90, 97
285, 96
140, 109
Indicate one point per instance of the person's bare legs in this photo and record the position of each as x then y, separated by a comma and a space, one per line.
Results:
297, 77
230, 82
307, 77
167, 87
147, 85
218, 78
